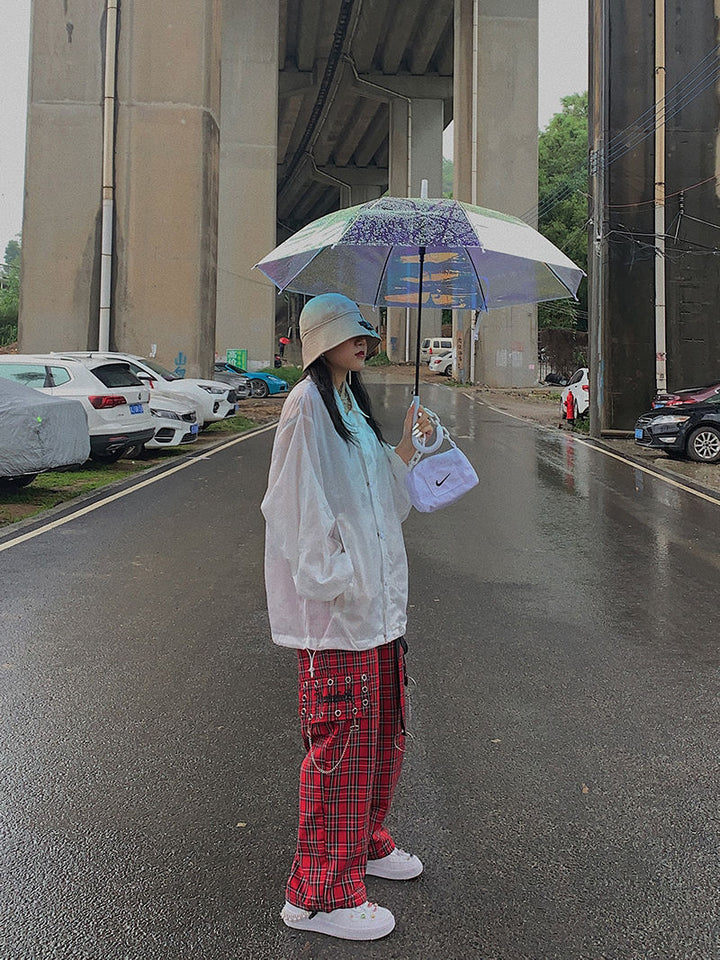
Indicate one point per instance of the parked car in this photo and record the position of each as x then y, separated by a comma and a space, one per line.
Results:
115, 401
443, 363
687, 395
687, 430
39, 433
261, 384
225, 373
578, 387
175, 421
432, 346
213, 400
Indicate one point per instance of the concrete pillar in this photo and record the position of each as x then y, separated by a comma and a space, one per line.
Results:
246, 300
416, 129
351, 196
165, 176
495, 148
426, 133
63, 179
167, 162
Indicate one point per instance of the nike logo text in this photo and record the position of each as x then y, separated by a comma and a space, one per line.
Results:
439, 483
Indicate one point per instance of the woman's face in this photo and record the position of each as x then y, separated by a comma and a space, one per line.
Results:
348, 356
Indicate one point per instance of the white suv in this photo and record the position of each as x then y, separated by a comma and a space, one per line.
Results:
115, 401
434, 347
175, 421
213, 400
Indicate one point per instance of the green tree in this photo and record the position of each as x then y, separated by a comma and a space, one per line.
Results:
12, 252
562, 200
447, 178
9, 293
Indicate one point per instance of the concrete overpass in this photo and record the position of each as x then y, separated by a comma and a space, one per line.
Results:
235, 122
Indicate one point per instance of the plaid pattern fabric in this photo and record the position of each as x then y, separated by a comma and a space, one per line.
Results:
351, 706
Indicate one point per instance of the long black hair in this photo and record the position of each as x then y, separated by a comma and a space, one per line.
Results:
319, 373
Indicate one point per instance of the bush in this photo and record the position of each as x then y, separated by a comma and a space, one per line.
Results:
8, 331
379, 360
289, 374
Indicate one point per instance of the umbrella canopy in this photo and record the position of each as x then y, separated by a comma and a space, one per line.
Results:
474, 258
410, 252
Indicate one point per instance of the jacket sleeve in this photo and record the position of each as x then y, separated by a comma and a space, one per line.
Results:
301, 527
398, 480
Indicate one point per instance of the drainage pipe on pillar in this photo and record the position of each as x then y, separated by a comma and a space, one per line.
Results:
660, 313
108, 175
474, 162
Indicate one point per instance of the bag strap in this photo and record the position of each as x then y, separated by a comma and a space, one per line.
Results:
419, 454
417, 440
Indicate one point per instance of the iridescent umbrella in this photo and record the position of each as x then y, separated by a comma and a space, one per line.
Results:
407, 252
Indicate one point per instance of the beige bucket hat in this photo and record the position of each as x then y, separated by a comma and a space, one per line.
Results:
329, 320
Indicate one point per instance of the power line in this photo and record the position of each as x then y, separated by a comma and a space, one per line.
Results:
695, 82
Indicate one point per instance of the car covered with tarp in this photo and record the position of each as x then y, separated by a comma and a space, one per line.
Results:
38, 432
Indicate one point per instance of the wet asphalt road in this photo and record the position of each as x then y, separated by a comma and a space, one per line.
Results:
562, 787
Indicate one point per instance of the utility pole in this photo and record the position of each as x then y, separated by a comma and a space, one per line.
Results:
597, 239
660, 318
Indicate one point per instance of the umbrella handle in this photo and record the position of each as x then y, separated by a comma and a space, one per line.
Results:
418, 439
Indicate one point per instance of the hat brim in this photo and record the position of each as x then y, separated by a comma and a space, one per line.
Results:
336, 330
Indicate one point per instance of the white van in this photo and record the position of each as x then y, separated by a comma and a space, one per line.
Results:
434, 347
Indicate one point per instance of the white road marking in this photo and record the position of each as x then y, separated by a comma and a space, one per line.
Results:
83, 511
608, 453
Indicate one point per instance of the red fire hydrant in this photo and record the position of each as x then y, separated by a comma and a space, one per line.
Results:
570, 406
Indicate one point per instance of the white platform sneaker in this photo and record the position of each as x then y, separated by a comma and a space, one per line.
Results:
397, 865
366, 922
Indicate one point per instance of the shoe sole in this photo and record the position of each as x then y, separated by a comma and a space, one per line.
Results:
371, 871
320, 924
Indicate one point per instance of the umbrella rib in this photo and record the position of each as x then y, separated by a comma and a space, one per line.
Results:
560, 280
300, 270
382, 275
479, 281
347, 226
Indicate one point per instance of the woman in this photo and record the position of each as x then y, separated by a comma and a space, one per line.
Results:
336, 580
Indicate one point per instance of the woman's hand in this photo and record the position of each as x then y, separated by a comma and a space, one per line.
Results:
405, 449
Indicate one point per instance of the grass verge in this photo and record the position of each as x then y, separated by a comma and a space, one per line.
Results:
53, 488
58, 486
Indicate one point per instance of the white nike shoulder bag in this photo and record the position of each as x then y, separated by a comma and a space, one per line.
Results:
441, 479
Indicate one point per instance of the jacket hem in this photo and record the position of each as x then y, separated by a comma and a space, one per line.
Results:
337, 643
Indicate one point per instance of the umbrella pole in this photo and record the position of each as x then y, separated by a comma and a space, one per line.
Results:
419, 320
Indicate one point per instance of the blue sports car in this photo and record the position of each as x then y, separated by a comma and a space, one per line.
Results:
261, 384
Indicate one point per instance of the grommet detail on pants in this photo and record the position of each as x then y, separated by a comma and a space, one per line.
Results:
336, 697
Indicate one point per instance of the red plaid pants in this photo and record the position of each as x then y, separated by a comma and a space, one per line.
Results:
351, 710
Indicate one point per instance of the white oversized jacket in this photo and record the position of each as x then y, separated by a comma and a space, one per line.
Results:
335, 562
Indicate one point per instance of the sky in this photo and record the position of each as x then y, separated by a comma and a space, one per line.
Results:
563, 56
